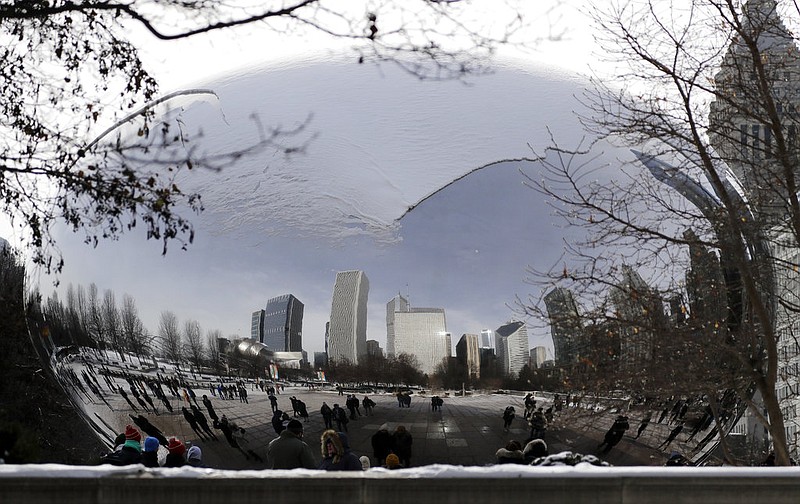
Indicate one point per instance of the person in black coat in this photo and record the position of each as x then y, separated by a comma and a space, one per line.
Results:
382, 445
327, 415
402, 441
615, 433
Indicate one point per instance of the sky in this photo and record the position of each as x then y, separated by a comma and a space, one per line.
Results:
379, 142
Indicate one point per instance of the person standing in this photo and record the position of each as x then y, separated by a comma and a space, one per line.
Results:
402, 441
336, 454
368, 405
644, 423
615, 433
327, 415
382, 443
508, 417
340, 416
289, 451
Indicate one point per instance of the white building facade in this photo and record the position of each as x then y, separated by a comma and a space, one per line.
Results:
421, 332
347, 332
512, 347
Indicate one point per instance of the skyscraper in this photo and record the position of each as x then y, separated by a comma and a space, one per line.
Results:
468, 353
257, 326
566, 327
421, 332
511, 345
283, 324
347, 334
538, 356
639, 314
487, 339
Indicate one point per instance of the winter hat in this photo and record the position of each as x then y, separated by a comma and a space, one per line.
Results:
364, 462
175, 446
392, 461
132, 433
194, 456
151, 444
294, 426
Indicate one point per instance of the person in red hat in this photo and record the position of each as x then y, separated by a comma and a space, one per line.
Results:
131, 451
177, 449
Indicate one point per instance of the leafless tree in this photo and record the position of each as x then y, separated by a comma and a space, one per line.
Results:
193, 342
112, 323
170, 337
706, 97
213, 350
134, 335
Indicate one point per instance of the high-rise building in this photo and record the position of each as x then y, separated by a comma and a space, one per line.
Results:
566, 327
283, 324
639, 314
740, 127
421, 332
538, 356
487, 338
468, 353
512, 347
347, 335
374, 348
257, 326
754, 144
397, 304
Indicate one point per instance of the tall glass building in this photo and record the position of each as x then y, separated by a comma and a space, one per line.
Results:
512, 347
347, 332
283, 324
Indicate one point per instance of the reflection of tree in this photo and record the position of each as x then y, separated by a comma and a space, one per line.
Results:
170, 338
213, 352
193, 343
712, 91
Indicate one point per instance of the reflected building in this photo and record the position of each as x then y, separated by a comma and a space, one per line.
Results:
639, 313
421, 332
468, 353
487, 338
257, 326
566, 327
538, 356
374, 348
347, 331
283, 324
511, 347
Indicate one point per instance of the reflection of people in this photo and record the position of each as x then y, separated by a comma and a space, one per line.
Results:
336, 454
615, 433
194, 456
175, 456
392, 462
289, 451
150, 452
402, 445
130, 452
382, 443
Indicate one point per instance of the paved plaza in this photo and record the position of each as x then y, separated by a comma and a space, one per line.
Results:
467, 431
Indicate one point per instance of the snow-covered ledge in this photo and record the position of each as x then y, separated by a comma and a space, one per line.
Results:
436, 483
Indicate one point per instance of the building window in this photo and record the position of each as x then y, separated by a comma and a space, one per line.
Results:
768, 142
756, 145
743, 139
